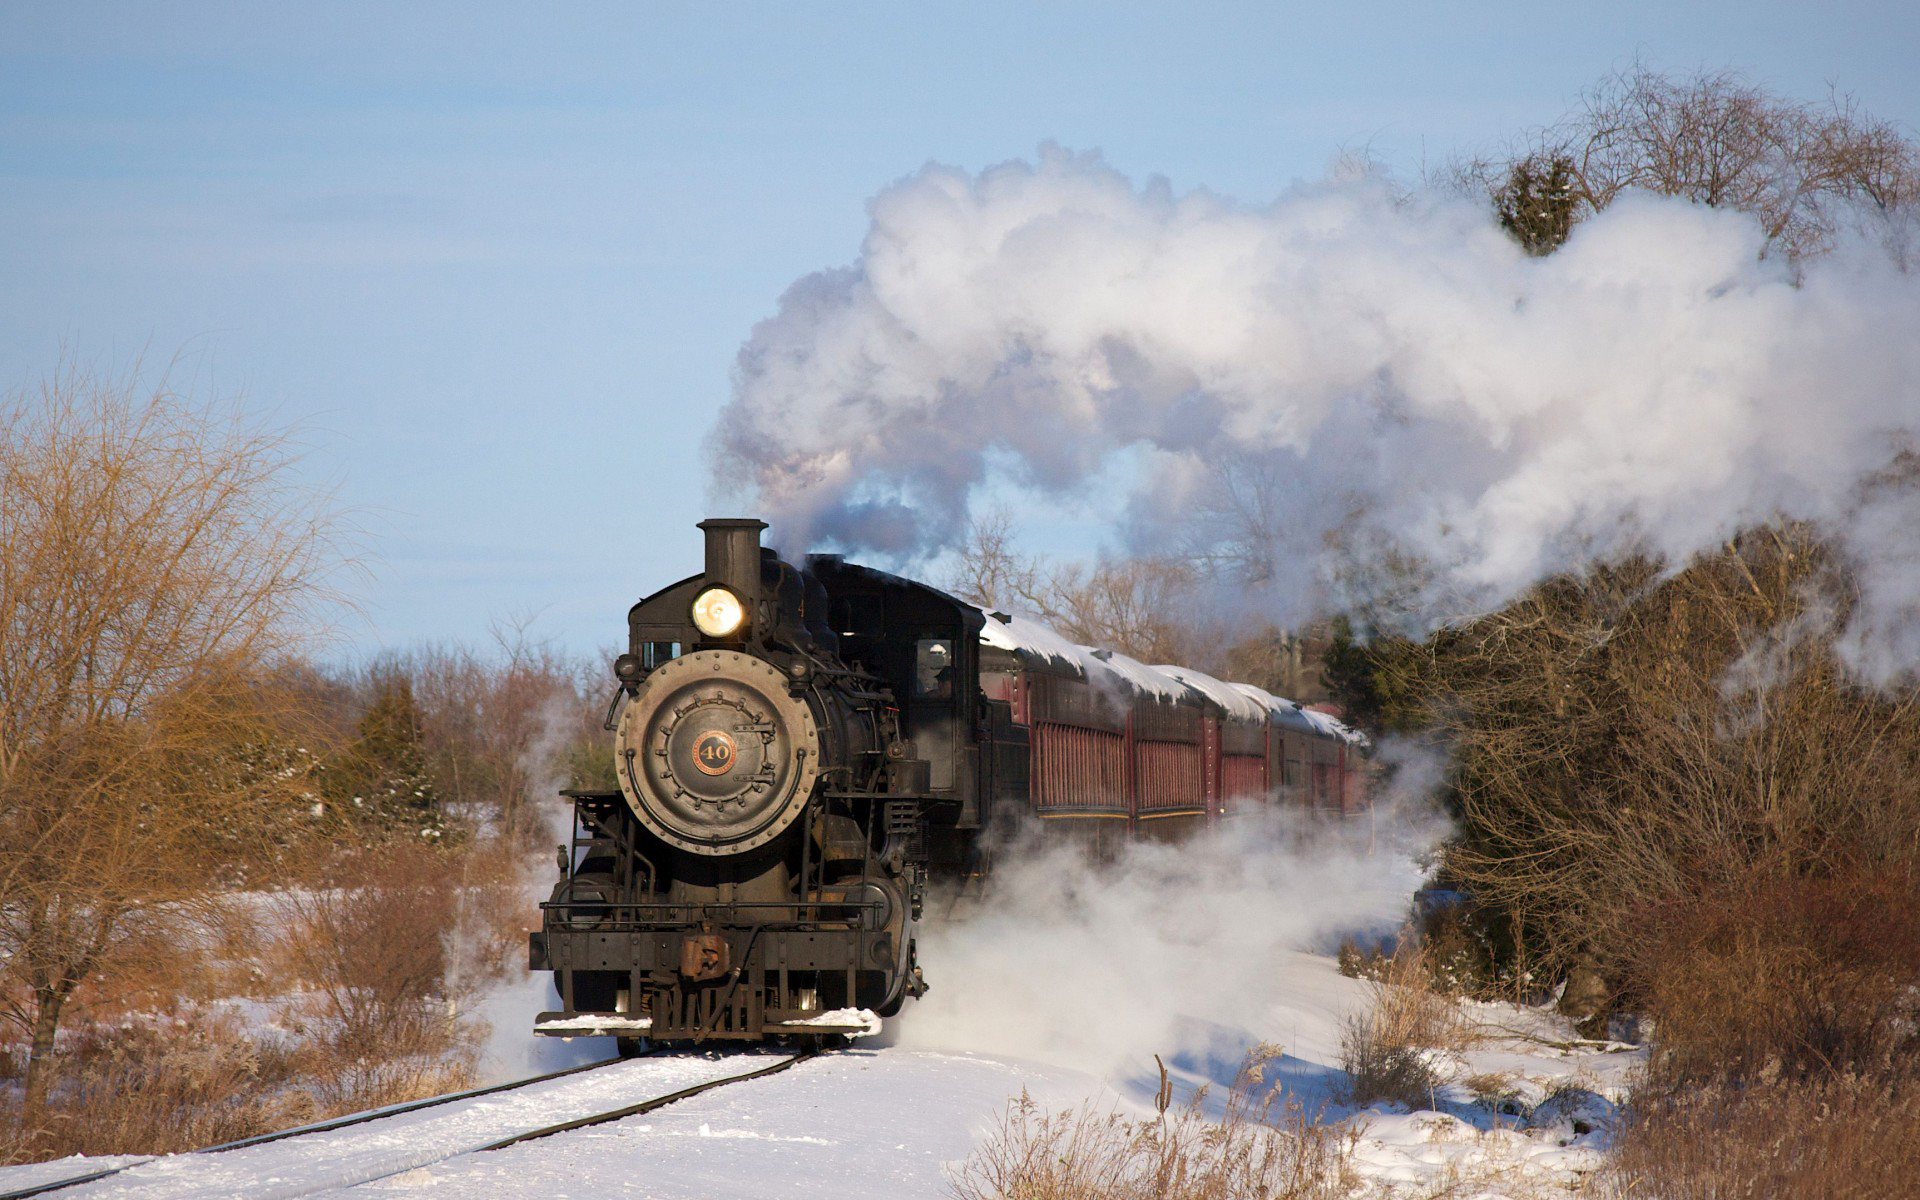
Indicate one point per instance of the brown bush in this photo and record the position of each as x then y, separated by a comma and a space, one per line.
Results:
1792, 977
1387, 1050
1841, 1138
387, 955
1253, 1153
160, 1086
373, 966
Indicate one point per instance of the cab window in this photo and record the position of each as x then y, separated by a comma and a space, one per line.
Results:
933, 669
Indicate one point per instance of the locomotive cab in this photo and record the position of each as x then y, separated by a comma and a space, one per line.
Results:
926, 646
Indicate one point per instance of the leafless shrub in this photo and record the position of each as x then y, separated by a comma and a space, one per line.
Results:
373, 968
1839, 1138
1712, 137
159, 1085
1638, 735
157, 559
1086, 1154
387, 954
1381, 1069
1388, 1051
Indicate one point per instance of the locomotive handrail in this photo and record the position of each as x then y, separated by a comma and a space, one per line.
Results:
709, 907
628, 916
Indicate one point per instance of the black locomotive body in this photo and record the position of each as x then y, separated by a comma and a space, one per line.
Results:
801, 750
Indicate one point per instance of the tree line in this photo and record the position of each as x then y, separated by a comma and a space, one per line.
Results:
172, 740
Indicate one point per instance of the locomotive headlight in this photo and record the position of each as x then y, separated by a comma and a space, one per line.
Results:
718, 613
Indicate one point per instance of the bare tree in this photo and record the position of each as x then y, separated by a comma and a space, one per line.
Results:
1143, 607
1155, 609
1713, 138
990, 572
1232, 530
503, 731
155, 557
1635, 736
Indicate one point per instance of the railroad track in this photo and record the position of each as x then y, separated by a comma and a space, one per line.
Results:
179, 1175
647, 1106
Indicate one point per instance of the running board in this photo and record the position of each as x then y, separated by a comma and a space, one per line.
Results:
852, 1022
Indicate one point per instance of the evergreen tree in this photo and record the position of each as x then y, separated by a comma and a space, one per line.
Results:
1537, 204
381, 782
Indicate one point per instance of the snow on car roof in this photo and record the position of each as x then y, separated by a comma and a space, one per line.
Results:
1235, 701
1286, 713
1024, 635
1334, 727
1027, 637
1148, 679
1010, 631
1292, 715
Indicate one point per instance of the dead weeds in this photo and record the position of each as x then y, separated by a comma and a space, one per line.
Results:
1085, 1153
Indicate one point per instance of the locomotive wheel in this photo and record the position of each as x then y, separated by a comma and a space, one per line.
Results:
715, 756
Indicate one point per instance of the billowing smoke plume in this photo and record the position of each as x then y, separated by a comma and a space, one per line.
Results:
1095, 962
1391, 374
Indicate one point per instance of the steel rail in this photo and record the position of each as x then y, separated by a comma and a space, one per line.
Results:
342, 1122
646, 1106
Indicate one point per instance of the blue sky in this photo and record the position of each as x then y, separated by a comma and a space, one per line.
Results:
495, 260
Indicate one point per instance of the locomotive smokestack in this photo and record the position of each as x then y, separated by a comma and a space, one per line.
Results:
733, 555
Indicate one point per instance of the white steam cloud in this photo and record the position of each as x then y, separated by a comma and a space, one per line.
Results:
1394, 371
1096, 963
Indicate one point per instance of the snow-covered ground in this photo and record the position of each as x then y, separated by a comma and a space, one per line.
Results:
860, 1125
1065, 981
301, 1165
888, 1120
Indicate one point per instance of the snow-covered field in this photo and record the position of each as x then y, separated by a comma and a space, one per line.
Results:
1064, 983
887, 1118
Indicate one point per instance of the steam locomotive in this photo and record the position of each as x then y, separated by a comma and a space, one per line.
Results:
802, 751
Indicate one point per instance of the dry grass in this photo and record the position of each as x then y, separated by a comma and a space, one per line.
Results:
158, 1086
1253, 1153
370, 976
1847, 1138
1387, 1051
1800, 977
